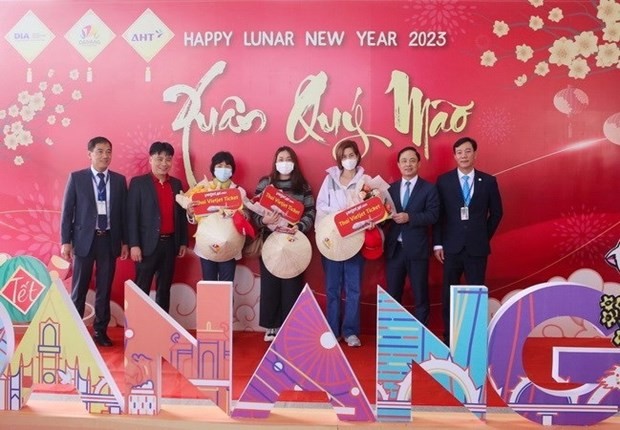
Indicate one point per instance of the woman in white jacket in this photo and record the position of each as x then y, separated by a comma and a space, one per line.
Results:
341, 190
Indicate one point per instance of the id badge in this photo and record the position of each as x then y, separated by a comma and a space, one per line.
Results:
464, 213
101, 208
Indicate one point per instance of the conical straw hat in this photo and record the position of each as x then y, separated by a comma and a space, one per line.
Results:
286, 255
217, 239
334, 246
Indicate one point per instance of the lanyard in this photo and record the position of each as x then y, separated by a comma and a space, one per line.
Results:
101, 190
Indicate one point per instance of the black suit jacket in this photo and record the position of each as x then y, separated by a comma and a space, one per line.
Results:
485, 213
79, 212
423, 211
143, 215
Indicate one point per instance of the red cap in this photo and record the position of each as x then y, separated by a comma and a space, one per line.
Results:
373, 244
242, 225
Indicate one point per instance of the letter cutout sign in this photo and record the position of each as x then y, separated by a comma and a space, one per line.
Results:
7, 340
24, 280
595, 400
306, 356
402, 339
57, 348
151, 334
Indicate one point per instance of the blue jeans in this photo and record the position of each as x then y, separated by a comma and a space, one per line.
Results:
347, 274
214, 271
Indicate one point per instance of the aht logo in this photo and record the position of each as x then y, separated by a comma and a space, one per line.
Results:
147, 37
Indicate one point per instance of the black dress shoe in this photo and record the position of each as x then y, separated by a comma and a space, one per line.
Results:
102, 339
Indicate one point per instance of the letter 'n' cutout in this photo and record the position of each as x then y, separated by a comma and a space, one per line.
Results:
304, 356
57, 349
151, 334
402, 339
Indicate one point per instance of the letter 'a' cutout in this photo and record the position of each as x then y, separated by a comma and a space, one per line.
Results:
402, 339
151, 334
57, 349
304, 356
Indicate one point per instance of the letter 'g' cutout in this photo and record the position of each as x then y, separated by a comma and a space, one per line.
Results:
588, 404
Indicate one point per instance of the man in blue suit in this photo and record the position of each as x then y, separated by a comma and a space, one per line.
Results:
471, 209
92, 231
156, 225
406, 243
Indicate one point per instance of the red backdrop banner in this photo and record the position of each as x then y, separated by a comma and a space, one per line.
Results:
534, 82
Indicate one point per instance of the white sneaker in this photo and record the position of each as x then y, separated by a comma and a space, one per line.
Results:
270, 334
353, 341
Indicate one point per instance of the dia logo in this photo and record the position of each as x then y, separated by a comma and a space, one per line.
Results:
29, 36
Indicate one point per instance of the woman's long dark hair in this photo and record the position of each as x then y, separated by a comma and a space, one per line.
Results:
298, 182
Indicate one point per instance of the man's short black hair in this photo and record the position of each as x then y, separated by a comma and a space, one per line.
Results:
159, 147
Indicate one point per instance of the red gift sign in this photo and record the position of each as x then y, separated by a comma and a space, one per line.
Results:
22, 290
357, 218
276, 201
212, 201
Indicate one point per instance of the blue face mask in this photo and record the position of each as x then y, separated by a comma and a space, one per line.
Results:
222, 173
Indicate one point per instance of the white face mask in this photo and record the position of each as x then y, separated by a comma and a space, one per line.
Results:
222, 173
349, 163
285, 167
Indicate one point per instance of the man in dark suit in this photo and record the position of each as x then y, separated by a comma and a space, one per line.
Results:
156, 225
92, 231
471, 209
406, 243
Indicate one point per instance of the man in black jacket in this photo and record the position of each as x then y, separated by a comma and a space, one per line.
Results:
92, 231
156, 225
471, 209
407, 246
